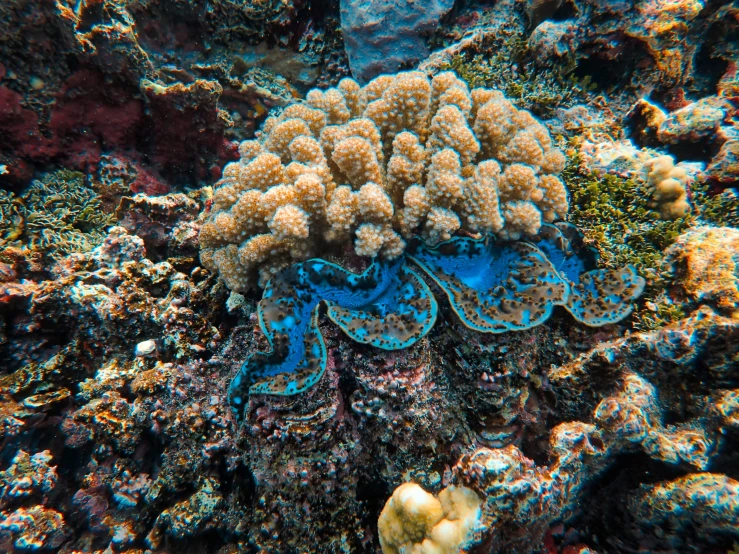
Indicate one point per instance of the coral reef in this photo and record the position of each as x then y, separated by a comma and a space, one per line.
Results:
33, 529
502, 184
136, 77
166, 223
162, 460
705, 127
631, 49
516, 492
402, 155
111, 406
27, 475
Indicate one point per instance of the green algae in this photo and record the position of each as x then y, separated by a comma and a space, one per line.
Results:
721, 210
56, 215
615, 216
510, 71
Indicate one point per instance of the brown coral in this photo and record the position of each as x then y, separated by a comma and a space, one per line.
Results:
669, 187
705, 261
403, 156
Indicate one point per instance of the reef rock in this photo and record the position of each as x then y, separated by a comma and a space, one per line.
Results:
381, 36
705, 262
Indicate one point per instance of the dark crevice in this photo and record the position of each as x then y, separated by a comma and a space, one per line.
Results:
373, 493
567, 10
608, 67
711, 71
711, 60
550, 10
702, 150
205, 543
727, 460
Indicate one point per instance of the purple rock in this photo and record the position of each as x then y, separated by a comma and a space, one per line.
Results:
382, 35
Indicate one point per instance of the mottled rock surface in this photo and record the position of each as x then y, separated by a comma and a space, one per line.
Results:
381, 36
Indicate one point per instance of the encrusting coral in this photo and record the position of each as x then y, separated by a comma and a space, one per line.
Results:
403, 156
415, 521
705, 262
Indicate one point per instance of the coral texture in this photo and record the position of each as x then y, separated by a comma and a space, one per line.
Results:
705, 261
580, 429
415, 521
669, 187
381, 36
705, 500
56, 215
403, 156
516, 492
707, 124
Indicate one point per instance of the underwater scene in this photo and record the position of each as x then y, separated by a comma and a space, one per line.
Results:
369, 276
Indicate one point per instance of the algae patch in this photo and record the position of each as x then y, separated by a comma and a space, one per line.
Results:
56, 215
615, 216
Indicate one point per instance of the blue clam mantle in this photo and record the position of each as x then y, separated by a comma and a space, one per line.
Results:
492, 287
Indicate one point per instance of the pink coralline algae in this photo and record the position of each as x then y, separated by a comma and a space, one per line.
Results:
122, 78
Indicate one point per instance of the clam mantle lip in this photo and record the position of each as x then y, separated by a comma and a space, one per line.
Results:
492, 286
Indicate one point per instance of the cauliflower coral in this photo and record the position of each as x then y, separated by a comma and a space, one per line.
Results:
414, 521
403, 156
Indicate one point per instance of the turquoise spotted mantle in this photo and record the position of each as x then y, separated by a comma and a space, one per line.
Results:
492, 287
